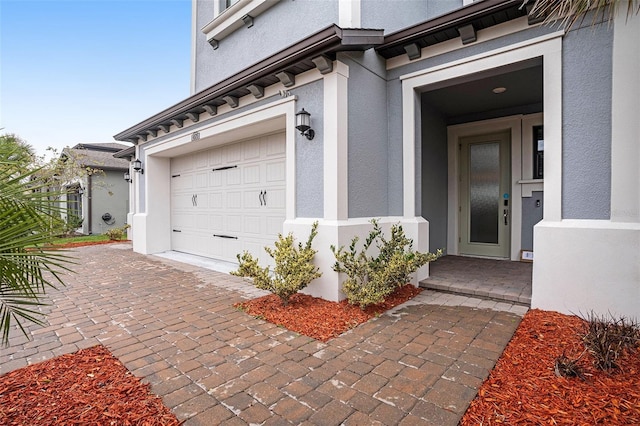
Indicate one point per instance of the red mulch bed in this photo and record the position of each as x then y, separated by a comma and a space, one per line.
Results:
87, 243
319, 318
89, 387
523, 387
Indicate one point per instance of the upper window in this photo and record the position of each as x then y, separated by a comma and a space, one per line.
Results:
229, 3
230, 18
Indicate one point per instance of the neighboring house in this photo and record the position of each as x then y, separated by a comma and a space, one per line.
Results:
99, 196
477, 128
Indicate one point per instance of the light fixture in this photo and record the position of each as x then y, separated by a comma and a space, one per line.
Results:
137, 166
80, 190
498, 90
303, 123
127, 176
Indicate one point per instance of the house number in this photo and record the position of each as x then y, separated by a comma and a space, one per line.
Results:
195, 136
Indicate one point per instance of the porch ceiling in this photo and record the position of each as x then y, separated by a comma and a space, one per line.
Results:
524, 89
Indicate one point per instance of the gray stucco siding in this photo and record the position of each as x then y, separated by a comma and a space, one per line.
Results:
310, 153
434, 182
398, 14
586, 116
269, 34
109, 194
367, 166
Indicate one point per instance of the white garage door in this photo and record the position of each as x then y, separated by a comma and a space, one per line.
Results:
229, 199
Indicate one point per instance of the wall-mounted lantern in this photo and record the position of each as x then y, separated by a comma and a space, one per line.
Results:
303, 124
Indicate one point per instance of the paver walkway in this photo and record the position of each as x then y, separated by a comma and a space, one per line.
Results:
174, 325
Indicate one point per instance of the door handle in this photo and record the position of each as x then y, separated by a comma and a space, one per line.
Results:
264, 197
260, 197
505, 215
193, 200
196, 200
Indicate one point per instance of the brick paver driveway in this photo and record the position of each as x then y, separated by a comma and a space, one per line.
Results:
174, 325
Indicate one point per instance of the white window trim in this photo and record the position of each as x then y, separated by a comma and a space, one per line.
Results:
230, 19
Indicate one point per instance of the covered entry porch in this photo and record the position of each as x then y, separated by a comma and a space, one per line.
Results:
501, 280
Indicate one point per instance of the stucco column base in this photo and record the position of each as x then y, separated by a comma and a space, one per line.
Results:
340, 233
146, 238
587, 265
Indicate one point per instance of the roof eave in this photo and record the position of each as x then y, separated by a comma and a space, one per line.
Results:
452, 19
126, 153
330, 39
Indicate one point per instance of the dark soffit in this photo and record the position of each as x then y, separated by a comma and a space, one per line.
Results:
481, 14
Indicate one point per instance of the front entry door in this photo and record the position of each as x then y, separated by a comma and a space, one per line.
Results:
485, 195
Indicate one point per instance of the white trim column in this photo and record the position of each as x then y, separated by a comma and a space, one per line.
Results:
625, 126
336, 110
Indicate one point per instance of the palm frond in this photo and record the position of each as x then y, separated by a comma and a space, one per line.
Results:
30, 216
568, 12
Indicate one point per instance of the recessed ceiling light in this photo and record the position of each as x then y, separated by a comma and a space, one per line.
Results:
498, 90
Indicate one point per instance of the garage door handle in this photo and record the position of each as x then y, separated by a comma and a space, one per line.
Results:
224, 168
225, 236
264, 197
260, 197
176, 230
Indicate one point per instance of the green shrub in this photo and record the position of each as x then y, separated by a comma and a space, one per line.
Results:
371, 279
293, 270
73, 222
117, 233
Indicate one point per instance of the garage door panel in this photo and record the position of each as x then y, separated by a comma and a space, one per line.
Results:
201, 160
233, 153
202, 221
242, 202
182, 201
252, 150
275, 199
252, 199
234, 200
275, 172
273, 227
182, 182
182, 221
215, 179
181, 164
251, 174
275, 145
215, 157
253, 225
234, 224
216, 200
216, 223
202, 180
216, 248
233, 176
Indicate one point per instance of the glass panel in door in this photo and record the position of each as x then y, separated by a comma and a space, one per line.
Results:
484, 197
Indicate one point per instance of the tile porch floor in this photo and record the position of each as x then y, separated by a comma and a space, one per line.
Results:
484, 278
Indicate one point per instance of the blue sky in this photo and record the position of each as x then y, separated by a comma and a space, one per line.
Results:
81, 71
